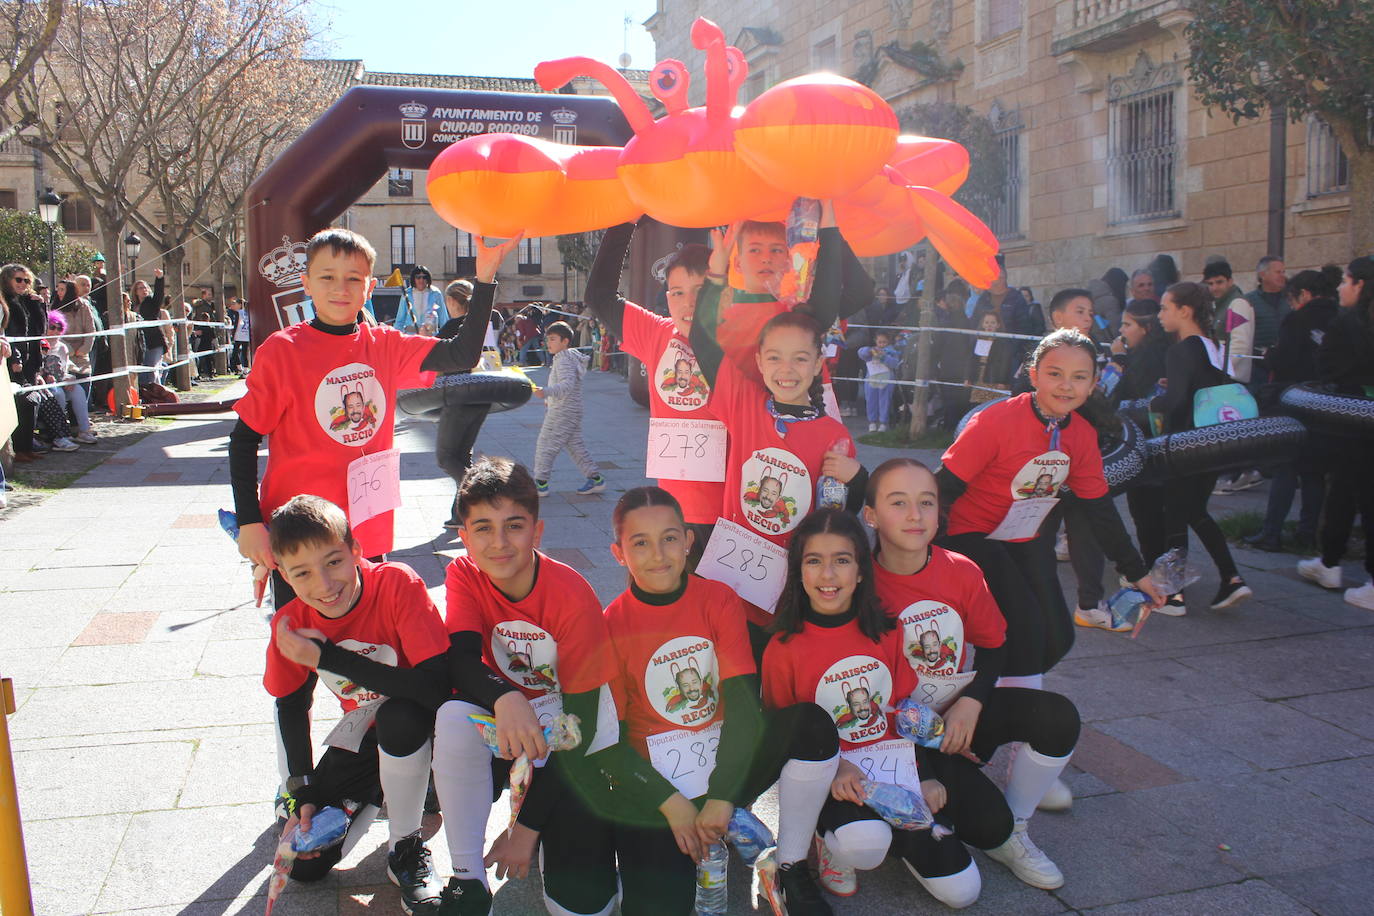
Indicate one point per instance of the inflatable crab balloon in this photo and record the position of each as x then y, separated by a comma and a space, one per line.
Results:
819, 136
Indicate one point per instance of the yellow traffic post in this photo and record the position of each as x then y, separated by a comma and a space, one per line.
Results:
15, 896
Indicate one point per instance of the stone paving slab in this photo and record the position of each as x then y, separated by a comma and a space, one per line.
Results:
147, 755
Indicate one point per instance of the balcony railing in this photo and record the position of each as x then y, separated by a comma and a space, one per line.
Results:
1105, 25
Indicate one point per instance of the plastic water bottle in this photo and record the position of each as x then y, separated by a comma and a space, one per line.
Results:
749, 835
1125, 606
713, 897
831, 493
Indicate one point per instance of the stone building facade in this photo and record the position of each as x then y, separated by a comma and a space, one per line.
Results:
1110, 157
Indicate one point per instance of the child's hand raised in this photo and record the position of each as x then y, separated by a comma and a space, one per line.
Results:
489, 257
722, 246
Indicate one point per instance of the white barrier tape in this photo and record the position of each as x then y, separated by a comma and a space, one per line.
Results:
122, 373
130, 326
920, 383
973, 332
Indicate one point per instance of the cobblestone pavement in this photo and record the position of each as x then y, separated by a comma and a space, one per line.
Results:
1225, 765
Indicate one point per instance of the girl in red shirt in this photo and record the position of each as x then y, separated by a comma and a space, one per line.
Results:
781, 442
1011, 464
687, 686
835, 646
944, 607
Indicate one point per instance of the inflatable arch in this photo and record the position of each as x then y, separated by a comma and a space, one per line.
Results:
374, 128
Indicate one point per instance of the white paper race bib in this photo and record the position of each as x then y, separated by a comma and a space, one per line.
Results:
349, 732
686, 758
1024, 518
752, 565
938, 691
686, 449
374, 485
893, 761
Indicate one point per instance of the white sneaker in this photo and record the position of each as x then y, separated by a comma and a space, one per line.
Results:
1314, 570
1059, 797
1020, 854
63, 444
1246, 480
1224, 485
85, 438
836, 879
1362, 596
1098, 617
1174, 607
873, 427
882, 427
1061, 547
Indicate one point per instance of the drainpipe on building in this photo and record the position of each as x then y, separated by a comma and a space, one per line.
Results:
1278, 175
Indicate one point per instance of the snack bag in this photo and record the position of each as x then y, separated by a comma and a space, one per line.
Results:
901, 807
749, 835
919, 724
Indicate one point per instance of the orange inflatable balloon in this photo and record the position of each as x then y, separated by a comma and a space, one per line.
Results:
817, 136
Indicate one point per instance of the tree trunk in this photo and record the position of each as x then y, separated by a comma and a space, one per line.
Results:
112, 230
1361, 194
173, 267
925, 350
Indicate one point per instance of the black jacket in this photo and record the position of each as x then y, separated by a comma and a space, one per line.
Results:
1346, 355
28, 318
1293, 357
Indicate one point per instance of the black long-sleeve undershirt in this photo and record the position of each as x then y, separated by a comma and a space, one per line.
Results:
458, 354
426, 683
473, 680
602, 296
988, 668
293, 725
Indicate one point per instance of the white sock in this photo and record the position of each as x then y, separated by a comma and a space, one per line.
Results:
1029, 681
956, 891
404, 783
1029, 778
358, 829
860, 844
462, 779
803, 787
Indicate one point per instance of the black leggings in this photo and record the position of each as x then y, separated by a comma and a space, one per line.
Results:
1146, 503
1024, 581
1350, 490
656, 878
456, 435
1185, 506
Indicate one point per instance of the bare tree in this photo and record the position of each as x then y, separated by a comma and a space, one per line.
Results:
119, 78
30, 27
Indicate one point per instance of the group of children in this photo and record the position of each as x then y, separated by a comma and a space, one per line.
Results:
781, 600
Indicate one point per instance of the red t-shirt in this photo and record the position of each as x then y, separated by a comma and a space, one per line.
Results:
678, 390
671, 659
854, 679
552, 641
324, 400
943, 609
394, 623
1004, 455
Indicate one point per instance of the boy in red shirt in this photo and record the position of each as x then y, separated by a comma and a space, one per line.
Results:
374, 637
324, 392
539, 624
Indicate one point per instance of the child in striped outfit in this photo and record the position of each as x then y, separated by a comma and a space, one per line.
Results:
562, 428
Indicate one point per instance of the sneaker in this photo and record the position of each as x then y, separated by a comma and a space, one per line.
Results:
882, 427
1058, 797
1224, 485
1174, 607
799, 891
1020, 854
837, 879
408, 868
1261, 542
1231, 593
873, 427
1061, 547
1314, 570
1246, 481
593, 485
1098, 617
85, 438
464, 897
63, 444
1362, 596
542, 488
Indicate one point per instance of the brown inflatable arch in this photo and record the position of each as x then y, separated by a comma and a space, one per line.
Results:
374, 128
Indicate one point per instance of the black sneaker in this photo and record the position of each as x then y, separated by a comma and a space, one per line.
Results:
1231, 593
408, 868
464, 897
799, 891
1260, 541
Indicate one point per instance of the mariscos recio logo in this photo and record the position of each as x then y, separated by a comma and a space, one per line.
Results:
681, 681
854, 691
350, 404
526, 654
680, 383
775, 490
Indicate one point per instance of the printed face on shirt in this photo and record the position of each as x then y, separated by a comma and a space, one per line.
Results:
932, 635
345, 689
1041, 476
855, 691
776, 490
681, 680
680, 383
526, 654
350, 404
338, 283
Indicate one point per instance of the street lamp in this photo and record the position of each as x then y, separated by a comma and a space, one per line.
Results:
49, 208
132, 246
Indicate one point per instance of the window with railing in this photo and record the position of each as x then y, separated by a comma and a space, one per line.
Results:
1328, 169
1005, 209
465, 251
1143, 143
402, 247
400, 183
76, 214
530, 257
